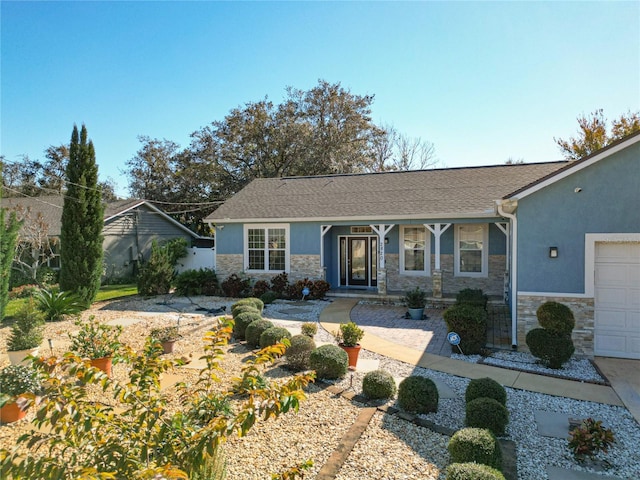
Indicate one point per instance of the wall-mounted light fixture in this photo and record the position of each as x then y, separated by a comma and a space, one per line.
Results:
577, 190
386, 240
553, 252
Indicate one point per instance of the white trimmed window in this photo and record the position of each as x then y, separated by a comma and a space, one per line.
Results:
266, 248
415, 250
472, 242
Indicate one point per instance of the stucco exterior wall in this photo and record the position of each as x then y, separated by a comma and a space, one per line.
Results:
583, 311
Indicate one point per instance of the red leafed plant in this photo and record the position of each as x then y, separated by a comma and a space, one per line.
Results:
590, 438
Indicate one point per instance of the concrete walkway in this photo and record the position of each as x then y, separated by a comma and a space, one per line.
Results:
623, 392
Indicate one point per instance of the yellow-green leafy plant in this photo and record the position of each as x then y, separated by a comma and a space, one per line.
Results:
134, 431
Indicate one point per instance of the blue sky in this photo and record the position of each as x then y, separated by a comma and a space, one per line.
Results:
483, 81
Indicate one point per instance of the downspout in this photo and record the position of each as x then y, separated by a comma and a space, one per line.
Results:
514, 273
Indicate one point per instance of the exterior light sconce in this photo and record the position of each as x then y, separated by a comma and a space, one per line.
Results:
386, 240
553, 252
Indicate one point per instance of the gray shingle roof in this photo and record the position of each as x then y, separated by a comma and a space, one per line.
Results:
438, 193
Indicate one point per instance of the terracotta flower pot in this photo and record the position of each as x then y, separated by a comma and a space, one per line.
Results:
353, 353
11, 412
167, 347
103, 364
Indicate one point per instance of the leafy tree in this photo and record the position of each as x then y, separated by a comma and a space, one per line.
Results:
8, 237
82, 221
593, 133
34, 247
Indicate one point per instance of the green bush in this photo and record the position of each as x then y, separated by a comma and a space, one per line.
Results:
299, 351
487, 413
378, 384
329, 361
156, 274
196, 282
237, 309
254, 330
477, 445
269, 297
472, 296
418, 395
556, 317
553, 348
472, 471
273, 335
470, 322
242, 321
256, 302
485, 387
27, 331
56, 305
309, 329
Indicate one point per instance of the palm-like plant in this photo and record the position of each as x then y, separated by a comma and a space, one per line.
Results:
55, 305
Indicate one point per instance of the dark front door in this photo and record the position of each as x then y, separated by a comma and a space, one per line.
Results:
358, 261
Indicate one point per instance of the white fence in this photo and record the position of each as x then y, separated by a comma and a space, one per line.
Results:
197, 258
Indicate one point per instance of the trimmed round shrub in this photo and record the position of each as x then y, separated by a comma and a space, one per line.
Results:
269, 297
485, 387
487, 413
238, 309
329, 362
472, 471
256, 302
298, 353
309, 329
274, 335
553, 348
477, 445
556, 316
242, 321
470, 322
378, 384
472, 296
418, 395
254, 330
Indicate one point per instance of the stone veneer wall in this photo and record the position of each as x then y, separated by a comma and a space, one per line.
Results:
228, 264
493, 284
583, 311
302, 266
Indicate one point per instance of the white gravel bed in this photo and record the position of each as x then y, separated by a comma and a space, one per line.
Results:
575, 368
391, 448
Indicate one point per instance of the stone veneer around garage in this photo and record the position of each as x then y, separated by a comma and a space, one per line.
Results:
583, 312
302, 266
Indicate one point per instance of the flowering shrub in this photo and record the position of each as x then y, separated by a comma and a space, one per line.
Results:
590, 438
16, 380
95, 339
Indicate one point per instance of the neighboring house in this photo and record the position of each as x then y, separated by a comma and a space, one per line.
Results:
130, 227
449, 229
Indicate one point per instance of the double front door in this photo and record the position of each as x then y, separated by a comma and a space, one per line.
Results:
358, 261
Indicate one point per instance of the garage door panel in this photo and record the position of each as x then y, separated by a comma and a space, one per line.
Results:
617, 300
611, 297
610, 319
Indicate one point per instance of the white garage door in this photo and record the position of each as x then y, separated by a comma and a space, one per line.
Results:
617, 300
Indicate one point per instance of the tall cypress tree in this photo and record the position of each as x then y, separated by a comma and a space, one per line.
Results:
82, 221
8, 237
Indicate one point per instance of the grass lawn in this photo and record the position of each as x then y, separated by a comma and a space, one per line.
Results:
107, 292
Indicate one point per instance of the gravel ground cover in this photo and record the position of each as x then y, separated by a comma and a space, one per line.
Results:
390, 448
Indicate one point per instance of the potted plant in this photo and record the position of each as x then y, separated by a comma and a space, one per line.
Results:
16, 381
98, 342
168, 336
348, 338
416, 300
26, 334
